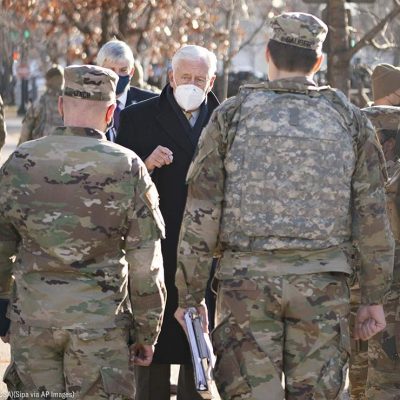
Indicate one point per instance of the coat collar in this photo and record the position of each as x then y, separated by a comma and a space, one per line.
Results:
172, 124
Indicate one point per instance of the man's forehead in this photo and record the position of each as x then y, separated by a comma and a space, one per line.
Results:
117, 64
196, 66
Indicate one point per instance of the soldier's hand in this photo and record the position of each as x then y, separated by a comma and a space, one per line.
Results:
369, 321
158, 158
141, 354
6, 338
201, 309
180, 317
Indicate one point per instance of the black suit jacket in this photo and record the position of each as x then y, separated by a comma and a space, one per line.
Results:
135, 95
143, 127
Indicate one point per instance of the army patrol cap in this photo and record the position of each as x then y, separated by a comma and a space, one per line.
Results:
90, 82
299, 29
385, 81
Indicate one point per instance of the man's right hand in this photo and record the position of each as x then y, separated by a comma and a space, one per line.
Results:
158, 158
141, 354
369, 321
6, 338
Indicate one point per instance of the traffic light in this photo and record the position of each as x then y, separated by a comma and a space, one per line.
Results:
27, 34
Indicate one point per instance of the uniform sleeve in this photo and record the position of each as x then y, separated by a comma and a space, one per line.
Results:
9, 237
143, 253
28, 124
371, 229
3, 130
201, 219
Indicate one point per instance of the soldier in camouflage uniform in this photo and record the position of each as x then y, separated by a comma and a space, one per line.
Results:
286, 176
81, 216
3, 131
42, 118
385, 116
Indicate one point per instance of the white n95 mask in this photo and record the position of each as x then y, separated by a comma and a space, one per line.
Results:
189, 97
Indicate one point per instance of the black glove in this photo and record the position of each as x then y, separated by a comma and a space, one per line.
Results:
4, 321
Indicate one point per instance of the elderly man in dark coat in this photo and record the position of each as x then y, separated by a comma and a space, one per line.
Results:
164, 132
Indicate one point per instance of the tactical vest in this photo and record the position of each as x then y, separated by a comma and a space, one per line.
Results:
289, 170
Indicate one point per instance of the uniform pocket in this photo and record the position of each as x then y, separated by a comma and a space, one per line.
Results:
228, 373
117, 382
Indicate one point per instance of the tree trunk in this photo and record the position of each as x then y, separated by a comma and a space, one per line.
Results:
338, 58
123, 13
226, 63
105, 23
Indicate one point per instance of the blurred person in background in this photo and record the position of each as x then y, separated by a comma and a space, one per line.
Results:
43, 117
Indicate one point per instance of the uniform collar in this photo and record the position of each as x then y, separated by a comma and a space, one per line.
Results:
78, 131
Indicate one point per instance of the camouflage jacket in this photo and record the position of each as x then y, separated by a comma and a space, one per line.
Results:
41, 118
81, 217
388, 117
215, 170
3, 131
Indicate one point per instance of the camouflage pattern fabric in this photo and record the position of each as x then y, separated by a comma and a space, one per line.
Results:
90, 82
222, 177
94, 365
3, 130
299, 29
74, 228
254, 317
384, 351
42, 118
370, 360
358, 364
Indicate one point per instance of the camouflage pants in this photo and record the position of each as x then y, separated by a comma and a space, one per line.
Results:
384, 354
375, 365
358, 366
293, 324
78, 364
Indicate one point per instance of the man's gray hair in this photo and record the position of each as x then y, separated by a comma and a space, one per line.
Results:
193, 52
115, 51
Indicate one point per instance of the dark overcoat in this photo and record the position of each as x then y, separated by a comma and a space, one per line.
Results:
143, 127
134, 95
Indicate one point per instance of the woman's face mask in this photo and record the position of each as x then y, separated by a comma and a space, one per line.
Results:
189, 97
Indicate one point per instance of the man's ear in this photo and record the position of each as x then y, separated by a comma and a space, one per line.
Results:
317, 64
171, 78
110, 113
61, 106
212, 80
267, 55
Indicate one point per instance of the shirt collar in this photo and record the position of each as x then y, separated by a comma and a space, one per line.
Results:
78, 131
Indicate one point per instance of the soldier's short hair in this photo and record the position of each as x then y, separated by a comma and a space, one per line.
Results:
292, 58
194, 52
115, 51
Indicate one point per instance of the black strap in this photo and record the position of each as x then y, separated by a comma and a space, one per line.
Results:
4, 321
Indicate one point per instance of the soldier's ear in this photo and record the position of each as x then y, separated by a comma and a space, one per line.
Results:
318, 63
61, 106
110, 113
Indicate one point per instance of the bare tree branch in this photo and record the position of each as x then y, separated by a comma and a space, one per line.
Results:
366, 39
252, 36
385, 46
